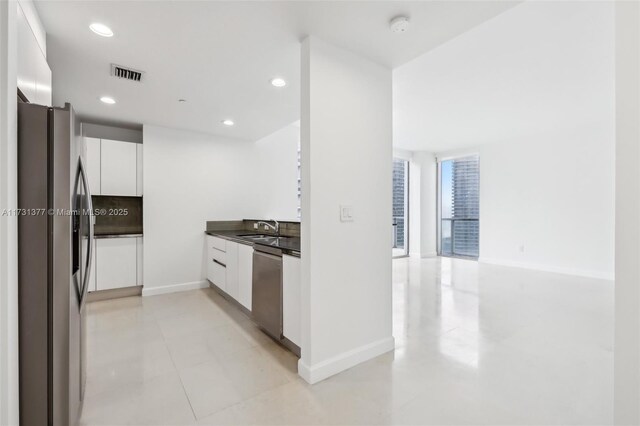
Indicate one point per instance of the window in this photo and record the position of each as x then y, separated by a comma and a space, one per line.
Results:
459, 207
400, 207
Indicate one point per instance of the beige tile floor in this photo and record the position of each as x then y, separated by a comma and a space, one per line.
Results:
475, 344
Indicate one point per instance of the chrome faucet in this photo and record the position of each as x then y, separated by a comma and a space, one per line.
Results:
275, 227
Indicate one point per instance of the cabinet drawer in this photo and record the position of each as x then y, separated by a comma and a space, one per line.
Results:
217, 243
218, 255
217, 274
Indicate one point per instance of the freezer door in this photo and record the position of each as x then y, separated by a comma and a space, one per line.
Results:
82, 233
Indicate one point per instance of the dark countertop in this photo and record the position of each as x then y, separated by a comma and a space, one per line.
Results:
101, 236
288, 245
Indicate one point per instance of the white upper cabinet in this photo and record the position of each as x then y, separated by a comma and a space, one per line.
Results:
93, 164
139, 169
34, 74
118, 172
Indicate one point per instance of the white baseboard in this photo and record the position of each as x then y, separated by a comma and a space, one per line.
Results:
548, 268
423, 255
174, 288
325, 369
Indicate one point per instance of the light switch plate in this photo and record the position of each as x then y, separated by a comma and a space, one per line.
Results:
346, 213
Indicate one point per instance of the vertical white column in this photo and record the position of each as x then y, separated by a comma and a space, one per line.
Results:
346, 143
8, 224
428, 202
415, 205
627, 268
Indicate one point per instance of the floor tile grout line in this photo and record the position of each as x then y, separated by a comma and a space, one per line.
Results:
184, 390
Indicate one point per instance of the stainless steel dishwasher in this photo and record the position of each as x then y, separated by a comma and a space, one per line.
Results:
266, 304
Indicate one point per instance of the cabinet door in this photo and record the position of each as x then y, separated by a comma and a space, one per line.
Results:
92, 272
245, 274
140, 259
217, 273
117, 263
93, 164
139, 183
232, 269
28, 53
118, 168
291, 298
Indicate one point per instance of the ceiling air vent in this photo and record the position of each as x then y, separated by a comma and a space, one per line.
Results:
126, 73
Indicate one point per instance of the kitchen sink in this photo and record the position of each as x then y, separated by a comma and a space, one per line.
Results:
261, 236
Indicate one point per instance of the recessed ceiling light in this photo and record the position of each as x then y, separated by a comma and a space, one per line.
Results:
228, 122
108, 100
278, 82
101, 29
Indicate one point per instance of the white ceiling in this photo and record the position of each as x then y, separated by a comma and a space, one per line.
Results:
537, 67
220, 56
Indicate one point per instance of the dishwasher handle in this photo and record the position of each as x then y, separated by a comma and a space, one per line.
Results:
268, 255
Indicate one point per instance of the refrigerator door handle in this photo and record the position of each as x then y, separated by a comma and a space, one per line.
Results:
89, 263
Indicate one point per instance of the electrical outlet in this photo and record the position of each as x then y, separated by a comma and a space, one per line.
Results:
521, 248
255, 226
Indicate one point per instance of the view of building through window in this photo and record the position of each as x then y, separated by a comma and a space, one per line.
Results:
400, 207
459, 207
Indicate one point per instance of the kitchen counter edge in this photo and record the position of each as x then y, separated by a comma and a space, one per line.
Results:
236, 238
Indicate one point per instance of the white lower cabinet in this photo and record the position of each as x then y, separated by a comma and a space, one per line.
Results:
116, 263
92, 272
230, 268
217, 261
291, 298
217, 274
245, 274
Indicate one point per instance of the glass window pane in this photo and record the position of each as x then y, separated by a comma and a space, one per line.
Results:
460, 207
400, 207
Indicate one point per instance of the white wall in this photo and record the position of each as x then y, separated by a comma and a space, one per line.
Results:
539, 63
346, 141
276, 174
538, 105
189, 178
627, 324
553, 195
8, 224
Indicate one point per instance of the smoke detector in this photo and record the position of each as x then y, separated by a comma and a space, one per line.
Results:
399, 24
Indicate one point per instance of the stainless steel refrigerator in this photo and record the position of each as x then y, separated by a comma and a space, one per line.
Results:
55, 228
